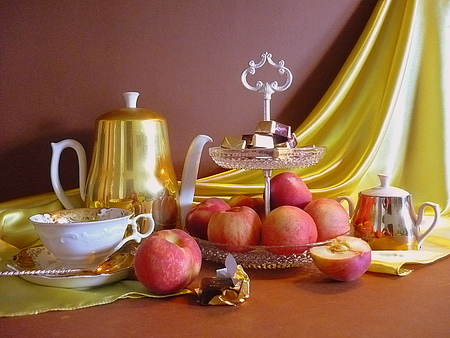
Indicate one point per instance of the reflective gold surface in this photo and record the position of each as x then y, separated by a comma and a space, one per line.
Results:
131, 166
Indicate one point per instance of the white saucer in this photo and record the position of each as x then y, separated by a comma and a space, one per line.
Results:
39, 258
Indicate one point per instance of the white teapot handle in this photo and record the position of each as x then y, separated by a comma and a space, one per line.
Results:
57, 149
421, 237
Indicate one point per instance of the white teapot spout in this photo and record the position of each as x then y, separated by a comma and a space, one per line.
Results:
189, 176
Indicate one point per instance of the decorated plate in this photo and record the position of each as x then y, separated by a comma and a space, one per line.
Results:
39, 258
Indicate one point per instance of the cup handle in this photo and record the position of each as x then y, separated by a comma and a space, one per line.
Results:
136, 235
420, 237
351, 206
57, 149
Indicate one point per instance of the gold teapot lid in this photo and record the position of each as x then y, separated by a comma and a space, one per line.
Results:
130, 112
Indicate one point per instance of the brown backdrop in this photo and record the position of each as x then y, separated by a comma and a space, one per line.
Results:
64, 63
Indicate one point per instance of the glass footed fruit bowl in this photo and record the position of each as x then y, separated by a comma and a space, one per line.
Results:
260, 256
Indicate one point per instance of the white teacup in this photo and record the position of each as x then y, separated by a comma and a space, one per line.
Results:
84, 237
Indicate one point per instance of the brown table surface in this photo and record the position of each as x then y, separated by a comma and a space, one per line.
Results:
298, 302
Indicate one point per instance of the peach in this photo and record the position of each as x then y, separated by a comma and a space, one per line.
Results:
168, 261
256, 203
330, 216
346, 258
287, 188
198, 217
238, 226
288, 226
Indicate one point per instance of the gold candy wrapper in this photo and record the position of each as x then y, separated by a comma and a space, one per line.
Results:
268, 135
268, 141
230, 142
273, 127
263, 141
231, 286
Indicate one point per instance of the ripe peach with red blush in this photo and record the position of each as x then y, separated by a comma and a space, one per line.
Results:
167, 261
256, 203
288, 226
330, 216
198, 217
236, 228
288, 188
346, 258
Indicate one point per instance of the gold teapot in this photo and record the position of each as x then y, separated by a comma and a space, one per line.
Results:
131, 166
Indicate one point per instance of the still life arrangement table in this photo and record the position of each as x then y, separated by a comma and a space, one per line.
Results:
94, 254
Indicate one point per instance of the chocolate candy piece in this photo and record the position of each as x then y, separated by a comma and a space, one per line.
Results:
248, 139
259, 140
291, 142
263, 141
273, 127
211, 287
279, 139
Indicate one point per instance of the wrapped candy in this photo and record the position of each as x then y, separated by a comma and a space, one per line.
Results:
268, 135
231, 286
274, 128
230, 142
263, 141
291, 142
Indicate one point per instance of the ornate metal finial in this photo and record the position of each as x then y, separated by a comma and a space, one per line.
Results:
267, 89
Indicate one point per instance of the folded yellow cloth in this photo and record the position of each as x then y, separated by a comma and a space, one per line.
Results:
20, 297
434, 247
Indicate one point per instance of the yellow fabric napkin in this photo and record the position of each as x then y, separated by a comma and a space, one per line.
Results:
434, 247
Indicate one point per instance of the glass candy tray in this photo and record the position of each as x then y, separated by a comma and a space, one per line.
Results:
267, 159
257, 257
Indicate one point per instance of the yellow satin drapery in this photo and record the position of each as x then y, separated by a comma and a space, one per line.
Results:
386, 112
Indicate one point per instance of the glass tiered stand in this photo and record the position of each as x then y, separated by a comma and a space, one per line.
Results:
265, 159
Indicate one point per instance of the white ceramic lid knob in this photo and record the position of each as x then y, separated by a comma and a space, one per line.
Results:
384, 179
131, 99
385, 190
